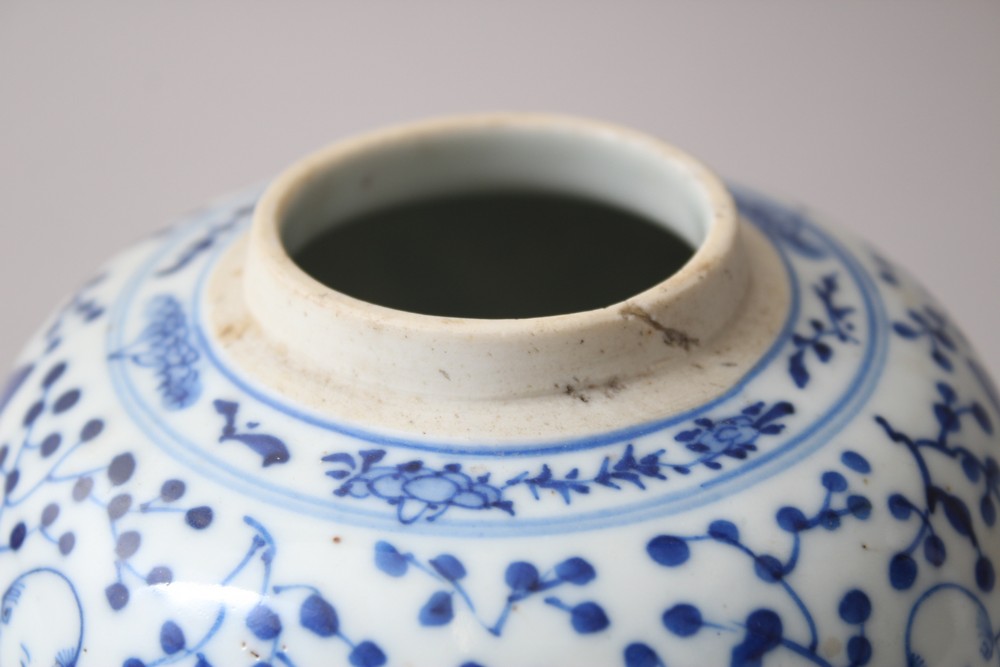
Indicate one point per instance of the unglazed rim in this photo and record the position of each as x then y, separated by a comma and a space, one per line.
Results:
497, 358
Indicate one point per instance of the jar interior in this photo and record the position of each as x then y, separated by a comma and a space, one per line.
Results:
495, 255
501, 222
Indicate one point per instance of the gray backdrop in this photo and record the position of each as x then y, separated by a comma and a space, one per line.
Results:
116, 117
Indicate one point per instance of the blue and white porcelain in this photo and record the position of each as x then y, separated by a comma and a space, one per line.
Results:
784, 454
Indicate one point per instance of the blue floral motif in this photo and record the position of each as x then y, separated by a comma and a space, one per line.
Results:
316, 615
45, 459
791, 229
205, 242
932, 325
763, 631
165, 345
837, 327
939, 499
419, 491
523, 579
735, 437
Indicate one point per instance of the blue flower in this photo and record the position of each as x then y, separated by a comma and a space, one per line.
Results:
735, 436
419, 491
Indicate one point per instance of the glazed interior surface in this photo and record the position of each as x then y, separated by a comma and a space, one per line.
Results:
495, 255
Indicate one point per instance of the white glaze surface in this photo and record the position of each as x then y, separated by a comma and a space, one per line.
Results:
161, 508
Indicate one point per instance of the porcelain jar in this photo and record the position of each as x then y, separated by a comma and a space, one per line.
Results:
782, 454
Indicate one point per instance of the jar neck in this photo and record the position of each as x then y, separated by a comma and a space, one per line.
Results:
477, 359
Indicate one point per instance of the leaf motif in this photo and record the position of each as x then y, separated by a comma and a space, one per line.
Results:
797, 369
947, 392
945, 339
448, 567
341, 457
629, 477
934, 551
370, 457
823, 351
641, 655
318, 616
172, 638
947, 418
389, 560
988, 510
367, 654
438, 610
956, 511
919, 319
522, 576
777, 411
982, 418
264, 622
842, 312
970, 466
588, 618
941, 360
576, 571
545, 475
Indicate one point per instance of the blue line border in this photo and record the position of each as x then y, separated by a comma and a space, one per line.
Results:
555, 446
850, 403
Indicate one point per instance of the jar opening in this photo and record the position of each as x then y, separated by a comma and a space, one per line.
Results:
496, 221
494, 255
657, 286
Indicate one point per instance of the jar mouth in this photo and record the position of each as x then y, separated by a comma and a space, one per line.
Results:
496, 155
569, 156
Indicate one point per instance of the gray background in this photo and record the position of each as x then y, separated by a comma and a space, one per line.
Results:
115, 118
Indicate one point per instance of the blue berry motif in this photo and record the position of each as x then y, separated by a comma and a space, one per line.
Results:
523, 579
764, 631
939, 500
419, 491
47, 458
315, 615
165, 346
